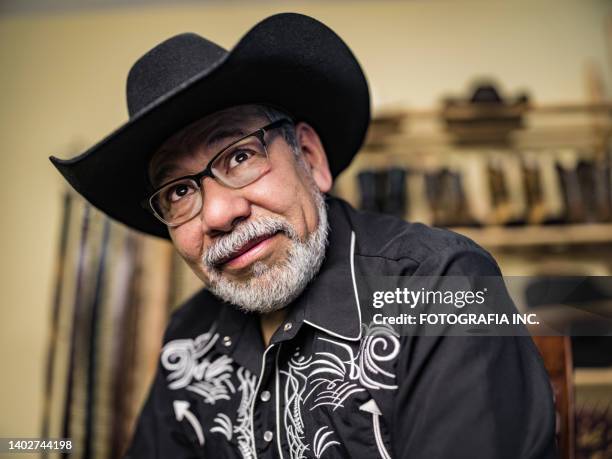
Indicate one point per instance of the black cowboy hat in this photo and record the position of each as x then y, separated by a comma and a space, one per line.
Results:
288, 60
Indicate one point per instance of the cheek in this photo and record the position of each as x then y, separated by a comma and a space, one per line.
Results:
286, 193
274, 192
187, 240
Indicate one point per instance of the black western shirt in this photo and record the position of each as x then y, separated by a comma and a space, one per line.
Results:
329, 386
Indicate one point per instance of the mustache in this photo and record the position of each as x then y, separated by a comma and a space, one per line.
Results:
226, 246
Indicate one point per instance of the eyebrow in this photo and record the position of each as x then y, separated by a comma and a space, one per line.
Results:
163, 173
224, 133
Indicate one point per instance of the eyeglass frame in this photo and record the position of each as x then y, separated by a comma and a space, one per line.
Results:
199, 177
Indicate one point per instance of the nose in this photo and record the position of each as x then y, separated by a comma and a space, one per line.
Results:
222, 207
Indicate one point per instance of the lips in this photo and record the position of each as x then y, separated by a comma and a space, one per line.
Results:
244, 249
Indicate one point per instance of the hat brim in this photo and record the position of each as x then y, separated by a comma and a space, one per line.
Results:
287, 60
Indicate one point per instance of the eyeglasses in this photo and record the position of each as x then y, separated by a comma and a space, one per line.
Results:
239, 164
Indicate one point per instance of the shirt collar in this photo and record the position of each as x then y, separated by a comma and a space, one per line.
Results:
331, 300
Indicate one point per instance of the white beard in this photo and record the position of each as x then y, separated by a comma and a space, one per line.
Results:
270, 287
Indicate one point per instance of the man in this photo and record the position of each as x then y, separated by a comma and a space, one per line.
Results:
232, 154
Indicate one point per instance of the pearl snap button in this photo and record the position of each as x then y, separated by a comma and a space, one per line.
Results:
227, 341
265, 396
288, 326
268, 435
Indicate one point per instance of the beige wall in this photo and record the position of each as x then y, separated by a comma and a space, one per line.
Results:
62, 83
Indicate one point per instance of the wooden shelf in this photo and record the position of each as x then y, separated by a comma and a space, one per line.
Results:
521, 236
570, 125
386, 113
593, 376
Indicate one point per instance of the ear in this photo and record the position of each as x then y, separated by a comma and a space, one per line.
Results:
314, 155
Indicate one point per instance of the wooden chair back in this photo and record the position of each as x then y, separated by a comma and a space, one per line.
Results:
556, 352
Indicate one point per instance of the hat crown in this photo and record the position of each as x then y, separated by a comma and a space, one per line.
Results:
167, 67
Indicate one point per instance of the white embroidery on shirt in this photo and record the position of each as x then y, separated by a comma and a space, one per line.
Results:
371, 407
380, 344
292, 415
330, 380
189, 368
244, 427
224, 426
327, 378
211, 378
320, 444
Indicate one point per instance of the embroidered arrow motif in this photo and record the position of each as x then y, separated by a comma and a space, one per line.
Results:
371, 407
181, 411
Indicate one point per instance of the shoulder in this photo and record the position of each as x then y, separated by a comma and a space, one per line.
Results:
196, 315
415, 245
